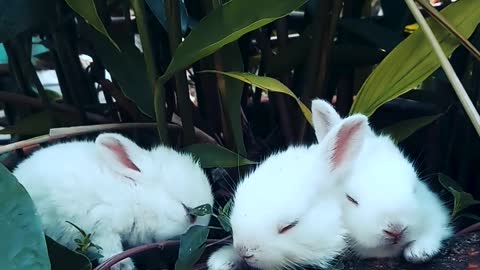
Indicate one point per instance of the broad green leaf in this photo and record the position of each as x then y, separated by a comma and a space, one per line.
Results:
62, 258
231, 93
461, 199
22, 245
268, 84
201, 210
403, 129
87, 9
40, 123
21, 15
224, 25
413, 60
127, 67
192, 245
212, 156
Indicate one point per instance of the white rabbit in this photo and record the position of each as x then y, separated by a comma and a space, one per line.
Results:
388, 209
116, 190
287, 212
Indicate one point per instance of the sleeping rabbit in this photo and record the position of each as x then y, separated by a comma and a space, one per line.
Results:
287, 212
115, 189
387, 209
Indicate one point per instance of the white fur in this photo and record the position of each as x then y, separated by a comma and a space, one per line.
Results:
225, 258
299, 184
85, 183
388, 191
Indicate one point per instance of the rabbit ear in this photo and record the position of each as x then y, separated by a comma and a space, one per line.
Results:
117, 152
344, 142
324, 117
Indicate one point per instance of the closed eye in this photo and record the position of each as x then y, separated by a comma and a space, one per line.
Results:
288, 227
352, 200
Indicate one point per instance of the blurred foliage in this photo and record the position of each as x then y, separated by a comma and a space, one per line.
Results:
23, 244
231, 82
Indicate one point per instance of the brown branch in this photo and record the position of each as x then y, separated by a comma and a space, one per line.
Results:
141, 249
21, 100
59, 133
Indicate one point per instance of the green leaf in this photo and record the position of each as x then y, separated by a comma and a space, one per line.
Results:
224, 25
461, 199
82, 232
448, 182
225, 223
202, 210
224, 216
231, 93
63, 258
268, 84
127, 67
192, 245
21, 15
403, 129
87, 9
413, 60
212, 156
22, 245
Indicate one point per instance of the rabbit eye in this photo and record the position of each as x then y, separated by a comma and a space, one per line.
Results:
288, 227
352, 200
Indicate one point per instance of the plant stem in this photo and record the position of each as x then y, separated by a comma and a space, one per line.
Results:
106, 265
58, 133
172, 11
447, 67
437, 16
152, 69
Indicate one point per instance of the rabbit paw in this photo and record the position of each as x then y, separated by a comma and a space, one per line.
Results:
421, 251
223, 259
126, 264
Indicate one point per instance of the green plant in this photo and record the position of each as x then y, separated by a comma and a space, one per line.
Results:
232, 81
84, 244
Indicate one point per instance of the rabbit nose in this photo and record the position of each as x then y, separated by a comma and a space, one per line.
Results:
244, 253
395, 233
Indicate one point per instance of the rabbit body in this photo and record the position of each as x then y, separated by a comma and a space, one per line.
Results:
115, 190
387, 209
287, 212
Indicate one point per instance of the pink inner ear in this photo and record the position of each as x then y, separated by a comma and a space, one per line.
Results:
117, 148
343, 142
